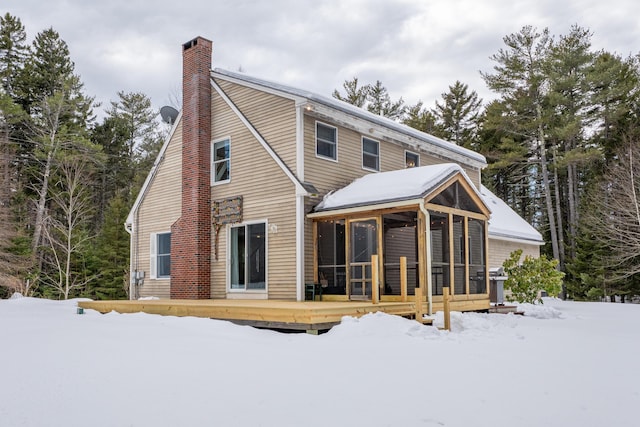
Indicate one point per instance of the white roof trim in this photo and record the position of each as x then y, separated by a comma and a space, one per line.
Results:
152, 172
299, 188
394, 187
473, 158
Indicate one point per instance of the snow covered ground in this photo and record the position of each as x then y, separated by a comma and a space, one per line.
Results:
564, 364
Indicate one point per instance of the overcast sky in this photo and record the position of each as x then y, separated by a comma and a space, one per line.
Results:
417, 48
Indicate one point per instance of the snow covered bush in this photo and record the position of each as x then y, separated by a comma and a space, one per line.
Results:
528, 278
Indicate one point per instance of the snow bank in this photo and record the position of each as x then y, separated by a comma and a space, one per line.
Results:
543, 368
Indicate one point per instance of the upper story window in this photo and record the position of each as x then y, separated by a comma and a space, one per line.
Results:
370, 154
221, 156
411, 160
326, 141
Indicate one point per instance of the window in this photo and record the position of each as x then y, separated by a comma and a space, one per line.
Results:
221, 162
370, 154
326, 141
247, 251
411, 160
160, 263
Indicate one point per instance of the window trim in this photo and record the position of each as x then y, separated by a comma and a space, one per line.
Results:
417, 165
213, 162
362, 153
265, 291
320, 156
153, 256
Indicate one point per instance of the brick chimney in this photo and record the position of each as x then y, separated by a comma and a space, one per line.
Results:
191, 234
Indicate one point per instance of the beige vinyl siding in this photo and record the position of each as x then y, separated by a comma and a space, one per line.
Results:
328, 175
499, 250
273, 116
268, 194
159, 209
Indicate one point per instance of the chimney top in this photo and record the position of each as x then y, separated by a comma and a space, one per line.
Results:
194, 42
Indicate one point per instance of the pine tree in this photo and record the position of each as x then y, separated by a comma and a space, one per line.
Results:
422, 119
458, 115
110, 254
354, 94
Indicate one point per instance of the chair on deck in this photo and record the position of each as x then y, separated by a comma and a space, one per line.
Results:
311, 290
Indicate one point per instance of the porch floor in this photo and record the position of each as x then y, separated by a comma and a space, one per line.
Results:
274, 314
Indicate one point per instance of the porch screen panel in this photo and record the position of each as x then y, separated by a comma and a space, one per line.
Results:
400, 239
459, 247
331, 257
439, 251
363, 244
477, 266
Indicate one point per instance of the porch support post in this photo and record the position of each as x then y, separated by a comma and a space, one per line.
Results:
375, 280
427, 251
403, 278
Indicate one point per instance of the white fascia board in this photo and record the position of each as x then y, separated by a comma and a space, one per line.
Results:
152, 173
299, 188
375, 130
364, 208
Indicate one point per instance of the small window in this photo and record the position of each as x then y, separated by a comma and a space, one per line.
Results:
370, 154
326, 141
221, 161
163, 256
411, 160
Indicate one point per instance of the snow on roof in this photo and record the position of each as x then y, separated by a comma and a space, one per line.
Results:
505, 222
393, 186
358, 112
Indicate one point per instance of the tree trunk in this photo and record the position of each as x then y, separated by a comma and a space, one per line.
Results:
561, 249
545, 185
42, 202
573, 213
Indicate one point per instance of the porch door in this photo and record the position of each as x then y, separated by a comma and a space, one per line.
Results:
363, 242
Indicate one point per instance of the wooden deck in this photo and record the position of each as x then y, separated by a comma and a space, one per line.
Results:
306, 316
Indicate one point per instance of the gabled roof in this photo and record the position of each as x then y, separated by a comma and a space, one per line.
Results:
352, 110
394, 186
505, 223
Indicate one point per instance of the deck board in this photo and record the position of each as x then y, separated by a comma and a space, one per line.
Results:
308, 315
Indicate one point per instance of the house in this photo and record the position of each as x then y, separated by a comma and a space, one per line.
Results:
262, 188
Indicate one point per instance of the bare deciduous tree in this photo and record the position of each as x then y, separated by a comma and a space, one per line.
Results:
615, 218
67, 233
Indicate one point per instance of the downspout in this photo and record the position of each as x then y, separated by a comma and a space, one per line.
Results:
427, 248
300, 219
129, 229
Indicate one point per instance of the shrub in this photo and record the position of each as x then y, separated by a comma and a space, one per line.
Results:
528, 278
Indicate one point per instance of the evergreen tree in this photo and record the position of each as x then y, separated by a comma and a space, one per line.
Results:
110, 254
13, 51
422, 119
380, 102
354, 94
374, 98
520, 78
458, 115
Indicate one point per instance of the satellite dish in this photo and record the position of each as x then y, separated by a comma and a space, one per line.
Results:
169, 114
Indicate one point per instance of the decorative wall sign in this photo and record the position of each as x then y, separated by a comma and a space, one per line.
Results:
224, 211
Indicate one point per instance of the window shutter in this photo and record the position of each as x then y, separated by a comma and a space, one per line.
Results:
152, 255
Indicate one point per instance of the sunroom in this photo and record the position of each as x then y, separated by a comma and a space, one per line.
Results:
424, 227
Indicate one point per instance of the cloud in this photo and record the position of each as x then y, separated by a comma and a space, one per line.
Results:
416, 48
